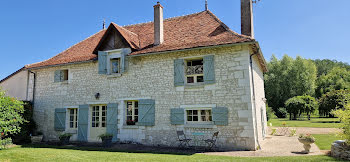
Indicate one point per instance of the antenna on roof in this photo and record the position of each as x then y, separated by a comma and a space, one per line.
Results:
104, 24
206, 5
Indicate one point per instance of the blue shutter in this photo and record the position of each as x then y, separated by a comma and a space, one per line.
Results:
209, 71
83, 122
102, 62
179, 74
112, 120
146, 112
124, 59
220, 115
57, 76
177, 116
60, 119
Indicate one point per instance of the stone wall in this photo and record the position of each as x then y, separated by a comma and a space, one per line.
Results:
152, 77
16, 86
340, 150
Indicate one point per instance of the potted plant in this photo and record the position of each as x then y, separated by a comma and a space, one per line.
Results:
106, 139
130, 122
36, 138
64, 138
307, 140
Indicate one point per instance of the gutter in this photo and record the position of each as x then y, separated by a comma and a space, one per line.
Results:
34, 85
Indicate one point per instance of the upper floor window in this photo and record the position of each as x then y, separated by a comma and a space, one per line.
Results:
132, 112
194, 71
61, 75
73, 118
115, 65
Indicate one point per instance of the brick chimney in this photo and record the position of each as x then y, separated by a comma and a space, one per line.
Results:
158, 24
247, 26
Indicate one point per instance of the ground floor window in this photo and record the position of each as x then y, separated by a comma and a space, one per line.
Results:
198, 116
99, 114
73, 118
132, 112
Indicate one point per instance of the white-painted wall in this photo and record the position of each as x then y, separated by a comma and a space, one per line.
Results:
16, 85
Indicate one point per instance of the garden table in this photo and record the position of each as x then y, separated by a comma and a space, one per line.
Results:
198, 139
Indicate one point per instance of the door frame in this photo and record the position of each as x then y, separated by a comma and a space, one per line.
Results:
90, 121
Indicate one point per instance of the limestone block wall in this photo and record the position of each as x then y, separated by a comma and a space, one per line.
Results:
152, 77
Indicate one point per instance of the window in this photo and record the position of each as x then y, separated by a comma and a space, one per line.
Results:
194, 71
64, 76
73, 118
99, 114
132, 112
199, 115
115, 65
61, 76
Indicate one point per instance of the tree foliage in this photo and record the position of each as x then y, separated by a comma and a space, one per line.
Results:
333, 100
287, 78
324, 66
337, 78
301, 104
344, 115
11, 118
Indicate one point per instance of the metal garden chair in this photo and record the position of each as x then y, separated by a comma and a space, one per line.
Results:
184, 141
211, 143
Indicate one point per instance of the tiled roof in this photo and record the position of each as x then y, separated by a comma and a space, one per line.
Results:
190, 31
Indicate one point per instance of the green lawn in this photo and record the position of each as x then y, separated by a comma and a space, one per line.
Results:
65, 154
314, 122
324, 141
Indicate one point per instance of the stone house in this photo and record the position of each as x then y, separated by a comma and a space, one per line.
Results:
144, 82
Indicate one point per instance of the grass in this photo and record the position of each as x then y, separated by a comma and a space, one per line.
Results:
314, 122
324, 141
66, 154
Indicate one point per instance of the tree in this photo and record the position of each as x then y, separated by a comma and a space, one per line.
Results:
324, 66
287, 78
338, 78
344, 115
333, 100
310, 105
294, 106
11, 118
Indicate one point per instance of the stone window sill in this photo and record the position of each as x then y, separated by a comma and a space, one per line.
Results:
114, 75
132, 127
72, 131
209, 126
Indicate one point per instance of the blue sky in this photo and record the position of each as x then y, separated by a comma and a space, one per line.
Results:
32, 31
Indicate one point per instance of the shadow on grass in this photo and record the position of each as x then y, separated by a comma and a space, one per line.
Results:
122, 148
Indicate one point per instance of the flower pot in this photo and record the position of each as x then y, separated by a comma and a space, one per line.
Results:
307, 144
36, 139
107, 141
64, 140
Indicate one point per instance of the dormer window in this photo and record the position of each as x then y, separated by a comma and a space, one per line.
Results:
115, 65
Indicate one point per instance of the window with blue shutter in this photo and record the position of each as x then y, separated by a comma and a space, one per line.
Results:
220, 115
102, 62
209, 70
112, 120
60, 119
57, 76
179, 72
83, 122
146, 108
177, 116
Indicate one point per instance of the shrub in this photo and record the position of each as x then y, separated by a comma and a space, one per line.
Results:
11, 111
65, 135
281, 112
344, 115
5, 142
301, 104
27, 127
269, 113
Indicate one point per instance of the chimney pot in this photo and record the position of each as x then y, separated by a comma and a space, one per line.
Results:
247, 25
158, 24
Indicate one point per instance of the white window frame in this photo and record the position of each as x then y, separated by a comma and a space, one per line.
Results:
116, 54
199, 116
100, 116
75, 118
133, 111
195, 80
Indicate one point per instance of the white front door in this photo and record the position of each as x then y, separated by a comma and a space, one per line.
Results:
98, 115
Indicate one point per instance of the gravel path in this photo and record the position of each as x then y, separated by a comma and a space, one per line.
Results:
274, 146
307, 130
